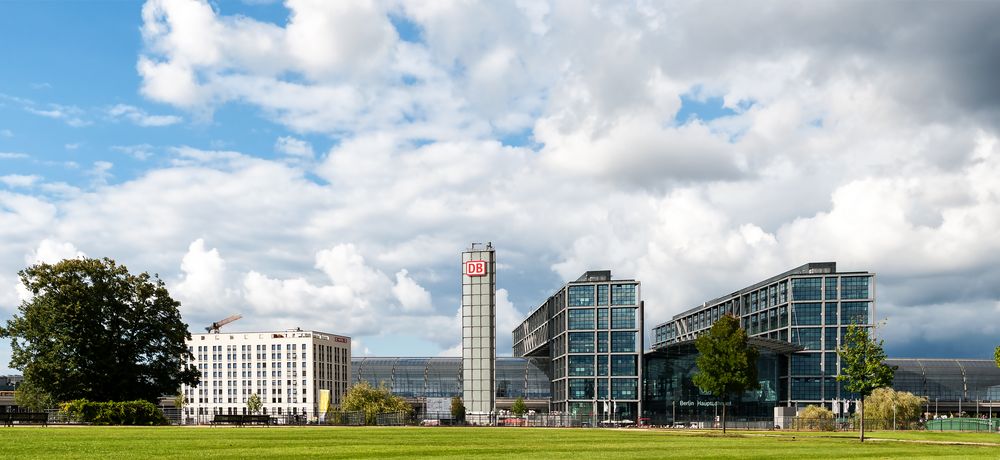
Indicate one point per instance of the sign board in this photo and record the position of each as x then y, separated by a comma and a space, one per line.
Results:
475, 268
439, 408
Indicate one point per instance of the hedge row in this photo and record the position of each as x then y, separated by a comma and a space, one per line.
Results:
115, 412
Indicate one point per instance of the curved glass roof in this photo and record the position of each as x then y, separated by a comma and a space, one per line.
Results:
442, 377
948, 379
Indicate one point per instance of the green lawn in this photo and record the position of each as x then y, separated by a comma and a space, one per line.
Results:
413, 442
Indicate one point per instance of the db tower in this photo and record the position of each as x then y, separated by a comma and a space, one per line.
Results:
479, 338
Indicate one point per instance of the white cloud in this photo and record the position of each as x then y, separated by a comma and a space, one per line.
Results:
411, 296
6, 133
138, 151
293, 146
204, 286
844, 140
71, 115
139, 117
12, 155
52, 251
101, 172
19, 180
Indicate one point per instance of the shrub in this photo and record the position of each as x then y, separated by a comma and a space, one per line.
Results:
815, 418
137, 412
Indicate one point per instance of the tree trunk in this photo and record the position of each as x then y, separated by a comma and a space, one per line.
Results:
862, 412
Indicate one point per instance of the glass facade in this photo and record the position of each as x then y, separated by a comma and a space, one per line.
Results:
669, 392
593, 335
808, 306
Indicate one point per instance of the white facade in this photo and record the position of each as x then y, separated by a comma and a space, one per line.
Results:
286, 369
479, 331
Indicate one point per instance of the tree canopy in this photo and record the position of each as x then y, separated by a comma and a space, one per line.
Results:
863, 367
891, 408
93, 330
254, 404
373, 401
457, 409
519, 408
727, 363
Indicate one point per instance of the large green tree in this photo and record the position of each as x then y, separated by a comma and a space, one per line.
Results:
863, 367
727, 363
373, 401
93, 330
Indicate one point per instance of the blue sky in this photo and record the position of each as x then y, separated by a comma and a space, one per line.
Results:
323, 164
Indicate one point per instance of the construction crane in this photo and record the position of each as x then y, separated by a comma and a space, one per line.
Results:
216, 325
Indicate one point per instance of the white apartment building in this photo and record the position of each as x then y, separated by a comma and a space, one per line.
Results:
287, 369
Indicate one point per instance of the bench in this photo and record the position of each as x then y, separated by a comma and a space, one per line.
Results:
240, 420
9, 418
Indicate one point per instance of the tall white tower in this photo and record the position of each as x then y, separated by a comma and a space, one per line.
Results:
479, 339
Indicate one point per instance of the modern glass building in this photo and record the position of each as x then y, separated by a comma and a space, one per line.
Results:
417, 379
809, 306
479, 338
591, 331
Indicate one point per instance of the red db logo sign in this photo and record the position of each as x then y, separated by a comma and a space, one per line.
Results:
475, 268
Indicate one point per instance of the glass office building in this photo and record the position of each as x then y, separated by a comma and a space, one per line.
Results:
591, 331
809, 306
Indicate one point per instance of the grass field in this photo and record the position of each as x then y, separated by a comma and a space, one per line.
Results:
413, 442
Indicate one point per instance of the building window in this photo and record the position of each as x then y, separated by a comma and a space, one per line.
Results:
602, 365
602, 294
808, 337
623, 342
624, 389
581, 296
782, 316
831, 313
854, 312
581, 318
581, 365
831, 288
581, 389
806, 388
602, 342
581, 342
806, 288
624, 365
806, 363
602, 389
622, 294
807, 314
623, 318
602, 318
830, 339
854, 287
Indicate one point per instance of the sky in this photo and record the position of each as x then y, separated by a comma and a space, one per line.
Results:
322, 164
